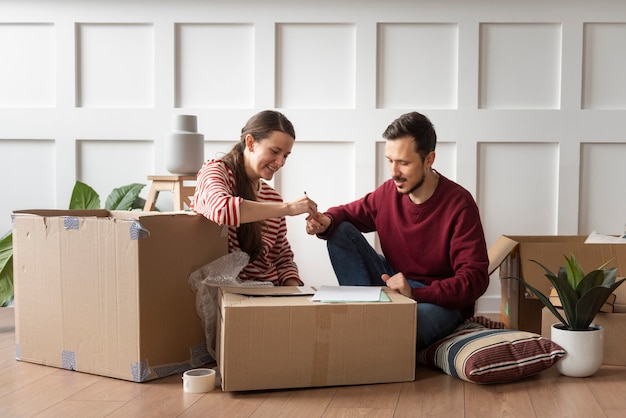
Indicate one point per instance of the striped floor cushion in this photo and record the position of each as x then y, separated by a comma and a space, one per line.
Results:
478, 354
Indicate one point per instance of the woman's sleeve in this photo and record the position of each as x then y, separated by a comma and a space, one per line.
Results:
285, 266
214, 196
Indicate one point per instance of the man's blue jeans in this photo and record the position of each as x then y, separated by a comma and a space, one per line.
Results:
356, 263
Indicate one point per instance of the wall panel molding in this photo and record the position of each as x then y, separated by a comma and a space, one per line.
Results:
528, 102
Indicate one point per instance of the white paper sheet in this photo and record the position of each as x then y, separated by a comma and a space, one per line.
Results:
347, 294
595, 238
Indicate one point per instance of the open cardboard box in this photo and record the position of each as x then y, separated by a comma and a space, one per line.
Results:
519, 309
107, 293
269, 341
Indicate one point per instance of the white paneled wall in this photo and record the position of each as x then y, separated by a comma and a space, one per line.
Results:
528, 99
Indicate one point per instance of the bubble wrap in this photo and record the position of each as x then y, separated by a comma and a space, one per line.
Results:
222, 272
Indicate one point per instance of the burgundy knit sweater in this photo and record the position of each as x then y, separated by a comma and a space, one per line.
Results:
440, 242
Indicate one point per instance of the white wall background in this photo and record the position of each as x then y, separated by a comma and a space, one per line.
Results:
528, 98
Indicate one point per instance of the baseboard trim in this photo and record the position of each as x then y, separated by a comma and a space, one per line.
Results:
488, 305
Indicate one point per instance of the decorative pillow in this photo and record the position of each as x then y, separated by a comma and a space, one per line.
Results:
478, 354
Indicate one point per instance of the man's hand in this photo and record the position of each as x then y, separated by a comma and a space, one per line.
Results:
317, 224
398, 283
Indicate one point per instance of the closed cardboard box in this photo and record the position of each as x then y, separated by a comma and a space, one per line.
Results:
107, 293
519, 309
289, 341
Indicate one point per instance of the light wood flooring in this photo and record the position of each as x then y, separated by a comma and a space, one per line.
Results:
28, 390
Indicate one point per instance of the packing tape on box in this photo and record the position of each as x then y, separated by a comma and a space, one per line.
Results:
68, 360
140, 371
170, 369
71, 222
322, 356
138, 232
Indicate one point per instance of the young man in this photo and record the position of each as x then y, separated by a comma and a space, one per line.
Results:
429, 228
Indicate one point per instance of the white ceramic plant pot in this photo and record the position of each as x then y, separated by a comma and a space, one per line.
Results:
585, 350
184, 146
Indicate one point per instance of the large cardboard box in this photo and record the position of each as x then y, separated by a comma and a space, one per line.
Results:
107, 292
271, 342
519, 309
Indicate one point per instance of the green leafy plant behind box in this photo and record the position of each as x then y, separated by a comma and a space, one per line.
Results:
582, 294
122, 198
6, 269
83, 197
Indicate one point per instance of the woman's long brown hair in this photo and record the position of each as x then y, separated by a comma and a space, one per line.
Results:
260, 126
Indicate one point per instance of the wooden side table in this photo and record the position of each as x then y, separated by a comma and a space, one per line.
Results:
174, 184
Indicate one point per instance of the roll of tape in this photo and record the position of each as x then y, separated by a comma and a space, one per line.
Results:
199, 380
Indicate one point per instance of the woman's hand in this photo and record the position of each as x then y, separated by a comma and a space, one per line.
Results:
398, 283
317, 224
302, 205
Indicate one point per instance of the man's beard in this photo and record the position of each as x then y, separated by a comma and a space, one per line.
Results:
415, 186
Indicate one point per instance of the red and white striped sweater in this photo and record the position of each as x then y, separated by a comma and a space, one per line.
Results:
215, 199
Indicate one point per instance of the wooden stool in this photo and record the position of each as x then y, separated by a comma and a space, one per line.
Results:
174, 184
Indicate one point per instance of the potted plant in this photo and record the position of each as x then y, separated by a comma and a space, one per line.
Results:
582, 296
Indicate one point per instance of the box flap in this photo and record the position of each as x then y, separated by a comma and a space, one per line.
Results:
499, 251
138, 215
63, 212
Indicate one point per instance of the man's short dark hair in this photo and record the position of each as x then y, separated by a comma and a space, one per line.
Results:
419, 127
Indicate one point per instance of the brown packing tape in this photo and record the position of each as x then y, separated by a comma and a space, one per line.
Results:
320, 368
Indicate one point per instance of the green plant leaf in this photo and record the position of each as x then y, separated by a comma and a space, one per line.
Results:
6, 269
546, 302
590, 304
84, 197
575, 273
123, 198
582, 302
609, 276
568, 297
596, 278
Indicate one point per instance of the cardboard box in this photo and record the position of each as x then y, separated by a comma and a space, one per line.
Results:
107, 292
614, 332
289, 341
519, 309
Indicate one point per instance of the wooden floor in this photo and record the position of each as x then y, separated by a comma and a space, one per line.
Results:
28, 390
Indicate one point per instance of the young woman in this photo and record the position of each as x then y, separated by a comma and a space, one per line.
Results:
232, 191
